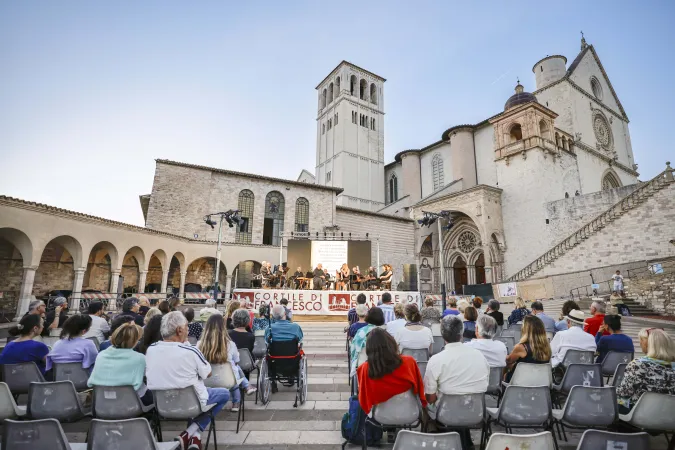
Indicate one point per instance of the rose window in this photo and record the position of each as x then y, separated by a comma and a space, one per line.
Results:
466, 242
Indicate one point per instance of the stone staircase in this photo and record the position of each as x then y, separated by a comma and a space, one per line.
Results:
631, 201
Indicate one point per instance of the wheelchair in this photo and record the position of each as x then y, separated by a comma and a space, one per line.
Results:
284, 363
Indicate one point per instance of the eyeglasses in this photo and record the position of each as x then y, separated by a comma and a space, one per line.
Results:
649, 330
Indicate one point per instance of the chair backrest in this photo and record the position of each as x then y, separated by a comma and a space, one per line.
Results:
613, 359
589, 375
246, 360
422, 365
222, 376
618, 375
596, 439
420, 354
49, 341
259, 333
177, 404
654, 412
56, 400
436, 330
539, 441
402, 409
466, 410
509, 341
528, 374
591, 406
116, 402
283, 348
259, 346
578, 357
129, 433
495, 381
192, 340
45, 434
549, 335
414, 440
8, 408
363, 357
19, 376
500, 329
94, 339
439, 345
72, 372
525, 406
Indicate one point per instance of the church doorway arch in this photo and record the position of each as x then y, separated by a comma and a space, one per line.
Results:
480, 269
460, 274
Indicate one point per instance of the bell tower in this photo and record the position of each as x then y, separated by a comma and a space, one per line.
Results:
350, 136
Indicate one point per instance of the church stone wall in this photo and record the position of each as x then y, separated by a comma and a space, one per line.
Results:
426, 171
484, 140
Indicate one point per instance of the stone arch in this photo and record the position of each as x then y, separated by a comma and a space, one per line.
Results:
102, 260
363, 89
157, 264
176, 266
201, 272
58, 260
337, 88
273, 224
544, 129
330, 93
353, 82
515, 133
16, 252
373, 93
323, 98
21, 242
243, 280
610, 180
133, 264
460, 273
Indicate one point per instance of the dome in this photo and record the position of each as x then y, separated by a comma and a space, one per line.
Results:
519, 98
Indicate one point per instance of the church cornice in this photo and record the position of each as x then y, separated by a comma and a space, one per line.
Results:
371, 213
480, 189
605, 158
354, 67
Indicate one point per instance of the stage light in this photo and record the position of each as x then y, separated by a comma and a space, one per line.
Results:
342, 235
449, 226
317, 234
366, 235
324, 235
291, 234
210, 222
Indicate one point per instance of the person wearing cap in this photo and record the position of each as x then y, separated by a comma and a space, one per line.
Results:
57, 317
574, 338
130, 308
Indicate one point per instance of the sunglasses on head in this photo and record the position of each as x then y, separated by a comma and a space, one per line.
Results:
649, 330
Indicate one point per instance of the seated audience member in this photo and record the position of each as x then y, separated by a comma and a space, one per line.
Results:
218, 349
38, 308
289, 314
241, 335
72, 347
399, 321
151, 333
361, 312
114, 324
519, 313
172, 364
262, 322
130, 308
652, 373
55, 318
533, 346
210, 307
194, 328
164, 307
616, 300
374, 318
493, 311
174, 303
120, 365
538, 310
24, 348
152, 312
573, 338
414, 335
232, 306
430, 314
616, 341
352, 317
494, 351
461, 306
470, 317
99, 326
568, 306
452, 308
387, 308
457, 369
387, 373
477, 303
143, 305
281, 329
593, 323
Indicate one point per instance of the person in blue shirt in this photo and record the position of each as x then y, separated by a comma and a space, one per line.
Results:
538, 310
616, 340
24, 348
281, 329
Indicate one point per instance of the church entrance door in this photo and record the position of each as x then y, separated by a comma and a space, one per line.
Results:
480, 270
460, 274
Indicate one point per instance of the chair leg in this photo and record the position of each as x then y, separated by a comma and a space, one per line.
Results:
555, 441
364, 444
213, 428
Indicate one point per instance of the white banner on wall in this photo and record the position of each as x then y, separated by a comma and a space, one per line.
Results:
507, 290
332, 254
319, 302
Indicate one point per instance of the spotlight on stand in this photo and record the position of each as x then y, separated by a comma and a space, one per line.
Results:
232, 217
449, 226
210, 222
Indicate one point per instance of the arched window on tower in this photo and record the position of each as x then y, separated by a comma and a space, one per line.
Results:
544, 130
610, 181
557, 140
302, 215
330, 93
393, 188
245, 207
437, 171
373, 93
516, 133
323, 99
564, 143
337, 87
352, 85
363, 89
274, 218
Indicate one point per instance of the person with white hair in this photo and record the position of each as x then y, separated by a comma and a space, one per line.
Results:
494, 351
210, 308
174, 364
281, 329
593, 324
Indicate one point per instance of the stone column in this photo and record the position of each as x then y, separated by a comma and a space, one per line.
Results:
228, 287
142, 276
471, 274
114, 279
181, 289
77, 291
450, 280
165, 281
25, 292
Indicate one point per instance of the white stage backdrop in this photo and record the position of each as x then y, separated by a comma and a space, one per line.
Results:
319, 302
332, 254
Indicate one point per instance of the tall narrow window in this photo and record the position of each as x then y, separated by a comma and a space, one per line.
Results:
337, 87
323, 99
328, 177
330, 93
363, 89
323, 128
302, 215
245, 207
354, 117
353, 85
437, 171
373, 93
393, 189
274, 218
336, 118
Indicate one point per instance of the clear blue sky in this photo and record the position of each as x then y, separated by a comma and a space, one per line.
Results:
92, 92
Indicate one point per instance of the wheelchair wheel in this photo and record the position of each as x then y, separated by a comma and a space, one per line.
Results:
264, 383
302, 381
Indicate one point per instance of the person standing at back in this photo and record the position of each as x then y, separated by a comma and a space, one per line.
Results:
387, 308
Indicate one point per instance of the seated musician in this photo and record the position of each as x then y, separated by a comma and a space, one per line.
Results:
274, 279
356, 279
309, 275
342, 277
319, 277
298, 274
385, 277
371, 280
329, 281
265, 273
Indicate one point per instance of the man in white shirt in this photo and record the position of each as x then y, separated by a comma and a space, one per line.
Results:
99, 326
174, 364
399, 322
494, 351
574, 338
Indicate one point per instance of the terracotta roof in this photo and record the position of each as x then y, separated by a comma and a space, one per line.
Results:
370, 213
354, 66
249, 175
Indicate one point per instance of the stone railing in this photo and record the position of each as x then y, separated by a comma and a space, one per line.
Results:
624, 205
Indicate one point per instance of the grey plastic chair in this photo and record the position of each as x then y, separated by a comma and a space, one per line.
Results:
94, 339
588, 375
595, 439
523, 407
118, 402
588, 407
422, 365
539, 441
528, 374
19, 377
192, 340
618, 375
495, 381
72, 372
612, 361
420, 354
578, 357
259, 347
401, 411
182, 405
509, 341
8, 407
56, 400
439, 345
45, 434
414, 440
653, 412
129, 433
466, 411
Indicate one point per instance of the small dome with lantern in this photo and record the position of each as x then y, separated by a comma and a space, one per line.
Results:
519, 98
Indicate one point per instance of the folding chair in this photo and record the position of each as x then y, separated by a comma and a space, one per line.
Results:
19, 377
587, 407
420, 354
539, 441
595, 439
578, 357
439, 345
414, 440
528, 374
509, 341
259, 347
222, 376
612, 361
72, 372
401, 411
422, 365
588, 375
618, 375
653, 413
56, 400
464, 412
495, 382
45, 434
192, 340
120, 402
94, 339
128, 433
182, 405
8, 407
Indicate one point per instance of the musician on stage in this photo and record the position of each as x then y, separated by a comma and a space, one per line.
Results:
371, 279
356, 279
328, 279
274, 279
342, 278
319, 277
298, 274
265, 273
385, 277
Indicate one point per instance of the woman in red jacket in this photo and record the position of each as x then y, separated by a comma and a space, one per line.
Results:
387, 373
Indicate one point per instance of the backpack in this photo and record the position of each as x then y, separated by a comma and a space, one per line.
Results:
353, 423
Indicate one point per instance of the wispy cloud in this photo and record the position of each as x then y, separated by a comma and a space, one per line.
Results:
501, 76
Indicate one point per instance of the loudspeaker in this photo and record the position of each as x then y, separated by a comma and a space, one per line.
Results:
245, 274
410, 277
